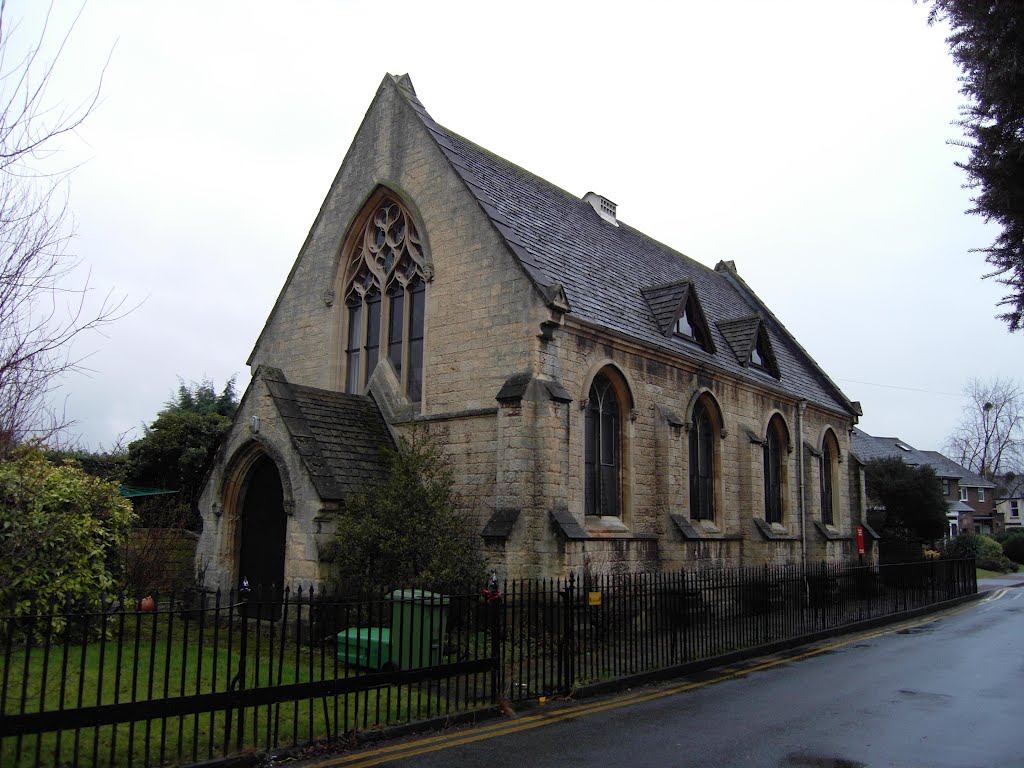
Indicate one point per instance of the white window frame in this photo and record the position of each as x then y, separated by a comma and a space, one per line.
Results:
963, 493
981, 494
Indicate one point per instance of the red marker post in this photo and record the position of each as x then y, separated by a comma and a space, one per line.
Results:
860, 543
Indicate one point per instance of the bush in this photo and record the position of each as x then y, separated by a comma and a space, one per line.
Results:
1000, 564
989, 548
409, 531
964, 545
986, 550
1013, 548
61, 531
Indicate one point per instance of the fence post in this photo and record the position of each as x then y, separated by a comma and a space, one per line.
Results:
569, 635
243, 647
822, 596
494, 607
767, 605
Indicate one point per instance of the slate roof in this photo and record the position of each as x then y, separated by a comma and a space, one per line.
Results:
666, 303
340, 437
946, 467
741, 335
867, 447
562, 243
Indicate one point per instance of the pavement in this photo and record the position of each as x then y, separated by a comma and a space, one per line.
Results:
1001, 582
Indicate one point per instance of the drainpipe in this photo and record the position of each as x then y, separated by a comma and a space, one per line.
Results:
800, 407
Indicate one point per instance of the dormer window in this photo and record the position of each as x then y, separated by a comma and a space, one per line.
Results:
756, 358
683, 327
759, 353
748, 337
677, 312
689, 326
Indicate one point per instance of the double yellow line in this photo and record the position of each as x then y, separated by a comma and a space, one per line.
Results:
376, 756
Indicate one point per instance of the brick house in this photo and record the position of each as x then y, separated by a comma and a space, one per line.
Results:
970, 498
606, 402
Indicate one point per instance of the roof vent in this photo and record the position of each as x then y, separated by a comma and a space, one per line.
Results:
605, 208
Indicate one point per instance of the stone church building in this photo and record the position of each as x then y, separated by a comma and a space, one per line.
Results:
606, 402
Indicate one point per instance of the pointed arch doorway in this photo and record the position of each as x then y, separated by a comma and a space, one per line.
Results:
263, 529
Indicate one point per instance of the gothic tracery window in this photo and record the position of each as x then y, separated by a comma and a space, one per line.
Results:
385, 296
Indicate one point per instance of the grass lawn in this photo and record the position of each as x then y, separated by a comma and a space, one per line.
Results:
983, 574
141, 660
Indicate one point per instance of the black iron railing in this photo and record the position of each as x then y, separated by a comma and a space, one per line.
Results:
186, 678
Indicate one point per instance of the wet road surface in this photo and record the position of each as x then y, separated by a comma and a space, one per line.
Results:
946, 690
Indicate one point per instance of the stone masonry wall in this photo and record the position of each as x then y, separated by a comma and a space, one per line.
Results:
482, 311
655, 457
217, 549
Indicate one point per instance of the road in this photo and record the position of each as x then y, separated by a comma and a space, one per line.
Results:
944, 690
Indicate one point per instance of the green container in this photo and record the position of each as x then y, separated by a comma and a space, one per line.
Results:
368, 647
418, 621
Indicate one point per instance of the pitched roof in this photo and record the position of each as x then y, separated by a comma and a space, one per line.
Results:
950, 468
666, 303
868, 447
742, 336
563, 244
340, 437
670, 302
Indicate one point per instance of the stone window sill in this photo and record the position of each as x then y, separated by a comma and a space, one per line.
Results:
604, 524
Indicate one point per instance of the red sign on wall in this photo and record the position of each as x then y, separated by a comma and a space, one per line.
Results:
860, 540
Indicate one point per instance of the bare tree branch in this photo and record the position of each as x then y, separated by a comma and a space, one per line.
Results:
989, 439
45, 306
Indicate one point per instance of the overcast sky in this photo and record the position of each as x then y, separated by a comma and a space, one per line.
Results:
806, 141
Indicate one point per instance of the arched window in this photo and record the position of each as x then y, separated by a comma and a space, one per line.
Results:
774, 476
385, 294
355, 343
702, 463
829, 459
603, 464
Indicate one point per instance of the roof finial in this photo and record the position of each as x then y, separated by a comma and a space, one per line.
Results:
404, 81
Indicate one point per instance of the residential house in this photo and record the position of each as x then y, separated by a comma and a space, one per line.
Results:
606, 402
973, 492
970, 498
1010, 500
